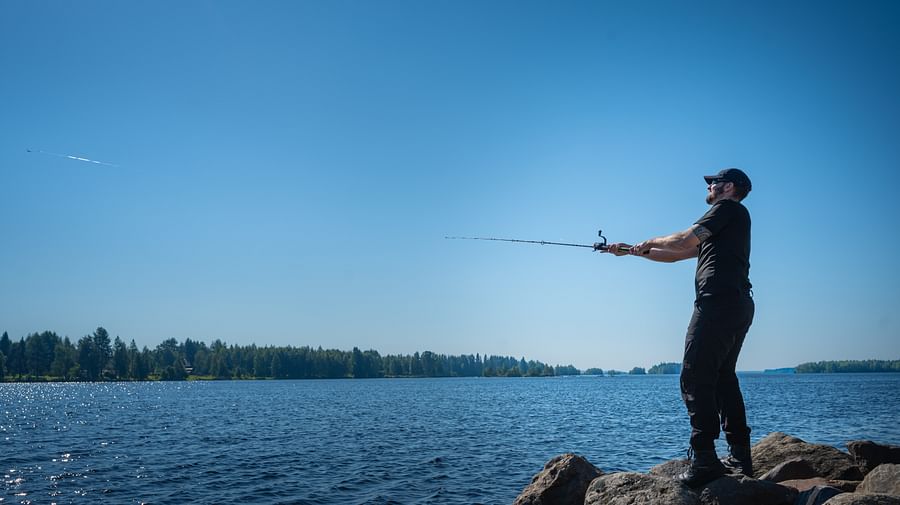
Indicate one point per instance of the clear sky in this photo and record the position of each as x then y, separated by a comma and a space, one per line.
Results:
286, 172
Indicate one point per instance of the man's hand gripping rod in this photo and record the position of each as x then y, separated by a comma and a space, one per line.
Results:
598, 246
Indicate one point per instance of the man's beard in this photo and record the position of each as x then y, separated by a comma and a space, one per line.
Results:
714, 195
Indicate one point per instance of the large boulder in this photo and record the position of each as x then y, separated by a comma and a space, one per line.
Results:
868, 454
563, 481
672, 468
629, 488
884, 479
792, 469
863, 499
827, 461
742, 490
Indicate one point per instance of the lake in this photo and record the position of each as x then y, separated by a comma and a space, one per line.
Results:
382, 441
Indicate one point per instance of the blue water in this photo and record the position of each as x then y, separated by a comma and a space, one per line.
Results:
380, 441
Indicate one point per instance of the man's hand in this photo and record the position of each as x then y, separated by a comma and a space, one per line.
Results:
618, 249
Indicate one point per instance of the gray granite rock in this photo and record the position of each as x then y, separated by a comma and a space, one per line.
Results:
671, 469
863, 499
827, 461
742, 490
869, 455
563, 481
792, 469
884, 479
628, 488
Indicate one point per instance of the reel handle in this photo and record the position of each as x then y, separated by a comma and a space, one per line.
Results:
601, 246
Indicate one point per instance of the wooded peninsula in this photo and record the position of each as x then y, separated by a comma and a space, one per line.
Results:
46, 356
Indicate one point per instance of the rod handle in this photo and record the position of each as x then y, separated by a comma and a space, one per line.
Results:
600, 246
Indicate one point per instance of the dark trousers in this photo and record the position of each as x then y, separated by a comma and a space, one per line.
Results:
709, 385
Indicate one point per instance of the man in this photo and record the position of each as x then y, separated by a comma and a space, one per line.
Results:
723, 312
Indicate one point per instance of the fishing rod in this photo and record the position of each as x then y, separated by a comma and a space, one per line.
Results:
597, 246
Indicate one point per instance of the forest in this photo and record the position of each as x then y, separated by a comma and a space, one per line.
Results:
95, 357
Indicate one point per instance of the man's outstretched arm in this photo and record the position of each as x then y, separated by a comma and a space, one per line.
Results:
669, 248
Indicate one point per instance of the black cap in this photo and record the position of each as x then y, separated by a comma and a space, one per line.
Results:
735, 175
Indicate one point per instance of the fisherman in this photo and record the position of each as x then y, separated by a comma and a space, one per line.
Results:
723, 312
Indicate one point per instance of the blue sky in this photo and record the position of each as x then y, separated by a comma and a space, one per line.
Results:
286, 172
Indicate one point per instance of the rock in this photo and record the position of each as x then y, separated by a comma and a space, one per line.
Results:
817, 495
743, 490
884, 479
827, 461
868, 454
671, 469
629, 488
847, 486
792, 469
563, 481
863, 499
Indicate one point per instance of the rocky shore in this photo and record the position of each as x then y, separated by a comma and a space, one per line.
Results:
787, 471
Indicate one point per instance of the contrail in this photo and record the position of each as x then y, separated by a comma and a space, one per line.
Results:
77, 158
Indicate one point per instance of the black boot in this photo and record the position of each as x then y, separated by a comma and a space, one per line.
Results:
739, 460
705, 468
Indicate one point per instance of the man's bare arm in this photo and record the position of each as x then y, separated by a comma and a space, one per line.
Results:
675, 247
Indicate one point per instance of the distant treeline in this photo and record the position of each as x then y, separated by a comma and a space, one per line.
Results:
46, 356
850, 366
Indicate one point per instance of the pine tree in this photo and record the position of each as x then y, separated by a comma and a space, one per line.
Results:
120, 359
102, 350
5, 344
87, 358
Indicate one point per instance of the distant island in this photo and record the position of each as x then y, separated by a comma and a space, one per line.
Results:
665, 368
850, 366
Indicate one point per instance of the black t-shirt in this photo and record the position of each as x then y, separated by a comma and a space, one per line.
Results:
723, 262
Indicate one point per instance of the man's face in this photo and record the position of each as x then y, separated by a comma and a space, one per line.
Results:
715, 192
